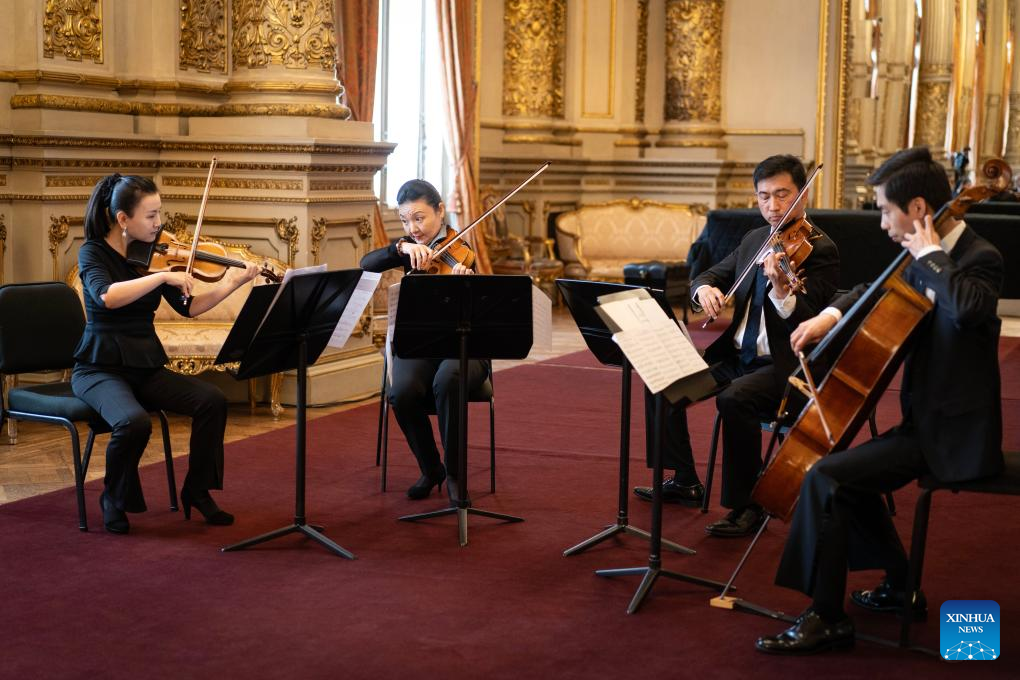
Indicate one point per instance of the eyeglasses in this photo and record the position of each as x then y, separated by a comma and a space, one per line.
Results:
779, 194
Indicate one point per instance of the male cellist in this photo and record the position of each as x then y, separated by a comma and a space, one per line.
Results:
950, 398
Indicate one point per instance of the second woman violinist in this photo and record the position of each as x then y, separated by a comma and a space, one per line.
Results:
419, 385
120, 364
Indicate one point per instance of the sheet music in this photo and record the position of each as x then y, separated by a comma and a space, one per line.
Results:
360, 298
654, 345
287, 276
541, 319
392, 296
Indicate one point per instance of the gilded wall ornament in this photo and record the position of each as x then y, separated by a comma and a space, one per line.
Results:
642, 62
74, 29
294, 33
694, 60
288, 231
318, 233
203, 44
932, 113
533, 57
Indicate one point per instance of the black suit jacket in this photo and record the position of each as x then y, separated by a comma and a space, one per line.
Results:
951, 393
821, 278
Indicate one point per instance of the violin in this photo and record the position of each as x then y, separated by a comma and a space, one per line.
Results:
452, 250
791, 245
887, 316
167, 254
446, 258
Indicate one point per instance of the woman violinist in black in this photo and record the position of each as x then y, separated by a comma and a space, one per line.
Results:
420, 383
120, 363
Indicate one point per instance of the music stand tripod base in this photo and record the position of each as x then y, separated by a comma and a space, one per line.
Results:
651, 573
312, 531
462, 511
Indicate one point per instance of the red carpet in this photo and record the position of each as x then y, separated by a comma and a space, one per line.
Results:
164, 602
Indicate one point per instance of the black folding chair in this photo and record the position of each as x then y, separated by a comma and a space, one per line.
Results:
40, 325
484, 393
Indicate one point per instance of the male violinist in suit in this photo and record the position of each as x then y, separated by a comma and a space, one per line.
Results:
950, 398
753, 353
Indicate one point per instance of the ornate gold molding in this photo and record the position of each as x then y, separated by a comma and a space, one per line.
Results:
74, 29
194, 365
203, 33
99, 105
319, 225
234, 183
288, 231
58, 231
3, 248
73, 180
932, 112
296, 34
34, 77
694, 60
642, 62
372, 149
339, 185
533, 57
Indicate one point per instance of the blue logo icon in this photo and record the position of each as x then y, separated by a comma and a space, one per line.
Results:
969, 630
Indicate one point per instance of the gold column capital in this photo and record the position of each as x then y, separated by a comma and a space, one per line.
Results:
693, 105
533, 57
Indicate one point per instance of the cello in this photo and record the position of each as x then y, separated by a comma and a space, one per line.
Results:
888, 315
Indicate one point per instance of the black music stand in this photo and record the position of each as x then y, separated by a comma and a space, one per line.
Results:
290, 333
686, 391
462, 317
582, 298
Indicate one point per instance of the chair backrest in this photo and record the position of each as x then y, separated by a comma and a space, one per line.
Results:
40, 326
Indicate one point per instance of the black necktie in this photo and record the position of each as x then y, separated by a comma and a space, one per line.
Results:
749, 343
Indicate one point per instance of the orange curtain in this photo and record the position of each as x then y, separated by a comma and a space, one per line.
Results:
358, 43
460, 82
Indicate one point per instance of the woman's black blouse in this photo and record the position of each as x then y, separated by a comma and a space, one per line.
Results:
124, 336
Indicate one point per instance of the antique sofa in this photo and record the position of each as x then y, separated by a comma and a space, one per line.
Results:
596, 241
193, 343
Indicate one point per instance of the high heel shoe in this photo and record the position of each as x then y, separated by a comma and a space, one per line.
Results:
205, 505
114, 520
423, 487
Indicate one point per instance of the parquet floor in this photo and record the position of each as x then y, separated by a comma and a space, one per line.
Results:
41, 460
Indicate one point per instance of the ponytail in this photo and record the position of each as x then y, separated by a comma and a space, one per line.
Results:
114, 194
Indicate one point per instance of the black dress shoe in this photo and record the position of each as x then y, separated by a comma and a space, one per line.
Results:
742, 522
809, 635
885, 598
114, 520
423, 487
690, 495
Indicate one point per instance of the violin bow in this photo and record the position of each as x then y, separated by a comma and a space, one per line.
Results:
198, 222
464, 232
754, 260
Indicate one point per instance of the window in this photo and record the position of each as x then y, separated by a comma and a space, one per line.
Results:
409, 107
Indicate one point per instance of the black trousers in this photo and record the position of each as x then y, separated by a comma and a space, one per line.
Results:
424, 386
752, 394
841, 521
124, 396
